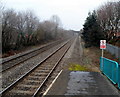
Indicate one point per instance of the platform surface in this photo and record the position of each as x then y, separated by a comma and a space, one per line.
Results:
84, 84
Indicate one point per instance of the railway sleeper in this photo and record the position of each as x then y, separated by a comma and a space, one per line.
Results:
32, 78
40, 77
43, 71
31, 86
20, 92
46, 71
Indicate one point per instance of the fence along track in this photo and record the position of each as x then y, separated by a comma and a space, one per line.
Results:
114, 50
111, 69
32, 72
8, 64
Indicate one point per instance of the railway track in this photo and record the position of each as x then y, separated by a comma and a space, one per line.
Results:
12, 62
31, 83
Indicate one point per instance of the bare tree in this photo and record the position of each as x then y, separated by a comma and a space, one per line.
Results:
31, 24
24, 28
1, 7
57, 22
48, 28
9, 34
108, 17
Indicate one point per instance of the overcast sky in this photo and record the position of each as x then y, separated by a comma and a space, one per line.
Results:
71, 12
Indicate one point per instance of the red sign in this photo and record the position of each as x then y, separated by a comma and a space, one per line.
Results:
102, 44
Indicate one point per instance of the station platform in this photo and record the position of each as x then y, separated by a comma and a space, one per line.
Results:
82, 84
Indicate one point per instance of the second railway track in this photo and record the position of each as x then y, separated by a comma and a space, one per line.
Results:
8, 64
32, 81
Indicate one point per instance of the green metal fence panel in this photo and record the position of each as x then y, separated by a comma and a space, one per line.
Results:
119, 76
111, 69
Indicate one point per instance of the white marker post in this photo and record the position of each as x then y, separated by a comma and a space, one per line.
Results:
102, 46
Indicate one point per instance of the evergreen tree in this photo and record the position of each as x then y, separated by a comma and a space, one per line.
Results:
92, 33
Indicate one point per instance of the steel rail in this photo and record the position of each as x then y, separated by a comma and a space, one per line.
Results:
33, 51
23, 76
52, 70
23, 54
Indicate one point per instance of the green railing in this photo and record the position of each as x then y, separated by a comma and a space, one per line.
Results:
119, 76
111, 69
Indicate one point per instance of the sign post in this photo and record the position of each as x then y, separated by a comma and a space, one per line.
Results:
102, 46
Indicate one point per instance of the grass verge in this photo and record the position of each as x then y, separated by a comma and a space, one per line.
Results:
77, 67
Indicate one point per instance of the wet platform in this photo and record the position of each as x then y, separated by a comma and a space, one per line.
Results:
83, 84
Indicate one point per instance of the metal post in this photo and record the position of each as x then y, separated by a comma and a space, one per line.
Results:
102, 52
102, 59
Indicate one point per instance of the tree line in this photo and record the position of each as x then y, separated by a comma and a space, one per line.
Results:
103, 23
20, 29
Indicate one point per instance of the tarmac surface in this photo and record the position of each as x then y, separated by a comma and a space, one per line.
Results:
79, 83
82, 84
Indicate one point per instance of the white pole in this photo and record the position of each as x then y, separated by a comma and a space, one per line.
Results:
102, 59
102, 52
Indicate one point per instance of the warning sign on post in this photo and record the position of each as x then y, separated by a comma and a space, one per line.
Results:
102, 44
